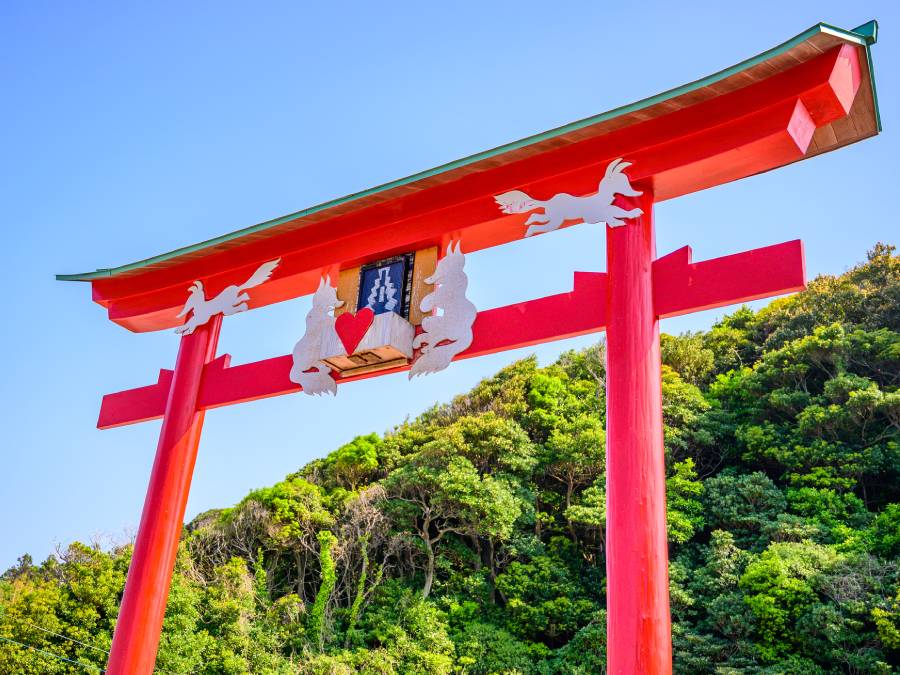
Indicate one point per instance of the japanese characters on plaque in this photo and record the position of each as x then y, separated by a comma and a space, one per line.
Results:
385, 286
407, 309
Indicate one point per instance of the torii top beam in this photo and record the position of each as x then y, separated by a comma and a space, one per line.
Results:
812, 94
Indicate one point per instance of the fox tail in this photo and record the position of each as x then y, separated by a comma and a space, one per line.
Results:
516, 201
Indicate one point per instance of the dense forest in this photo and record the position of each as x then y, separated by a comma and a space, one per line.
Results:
471, 539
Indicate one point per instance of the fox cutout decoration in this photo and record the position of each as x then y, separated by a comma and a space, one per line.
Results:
449, 333
596, 208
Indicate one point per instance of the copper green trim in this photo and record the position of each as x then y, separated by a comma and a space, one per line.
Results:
870, 32
864, 35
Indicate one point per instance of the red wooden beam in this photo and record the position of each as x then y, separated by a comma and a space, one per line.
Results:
136, 405
638, 627
519, 325
680, 286
747, 131
138, 627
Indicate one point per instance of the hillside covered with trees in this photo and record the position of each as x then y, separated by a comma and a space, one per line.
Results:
471, 539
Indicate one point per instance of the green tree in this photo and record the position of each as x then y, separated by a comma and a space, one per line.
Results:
684, 509
575, 455
742, 504
356, 461
471, 538
317, 626
688, 356
779, 589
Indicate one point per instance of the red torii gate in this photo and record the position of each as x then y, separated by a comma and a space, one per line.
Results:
810, 95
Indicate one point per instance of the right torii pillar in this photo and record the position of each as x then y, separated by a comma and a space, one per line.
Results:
641, 289
639, 631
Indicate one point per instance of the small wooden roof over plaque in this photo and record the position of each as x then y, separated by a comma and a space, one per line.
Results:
455, 199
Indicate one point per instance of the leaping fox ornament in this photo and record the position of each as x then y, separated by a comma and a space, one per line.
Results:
597, 208
449, 333
230, 301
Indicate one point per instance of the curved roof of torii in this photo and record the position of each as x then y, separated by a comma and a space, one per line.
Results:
146, 295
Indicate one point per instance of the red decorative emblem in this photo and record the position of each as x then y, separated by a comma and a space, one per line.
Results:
352, 327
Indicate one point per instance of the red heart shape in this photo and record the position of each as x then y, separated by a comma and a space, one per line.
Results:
352, 327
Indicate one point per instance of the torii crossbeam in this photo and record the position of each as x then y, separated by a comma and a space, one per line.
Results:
810, 95
680, 287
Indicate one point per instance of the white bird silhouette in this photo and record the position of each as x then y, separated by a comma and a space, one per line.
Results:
596, 208
230, 301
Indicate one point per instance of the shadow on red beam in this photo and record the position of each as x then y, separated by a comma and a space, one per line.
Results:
556, 317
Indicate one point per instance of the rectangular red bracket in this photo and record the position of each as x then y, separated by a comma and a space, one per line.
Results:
681, 286
136, 405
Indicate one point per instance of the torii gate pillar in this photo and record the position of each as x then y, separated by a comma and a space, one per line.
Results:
638, 624
139, 625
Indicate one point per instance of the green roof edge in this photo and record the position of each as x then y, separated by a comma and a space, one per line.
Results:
865, 35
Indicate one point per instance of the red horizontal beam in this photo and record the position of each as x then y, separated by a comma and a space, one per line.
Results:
136, 405
680, 286
753, 129
578, 312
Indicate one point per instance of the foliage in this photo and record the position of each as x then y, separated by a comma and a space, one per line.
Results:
326, 570
472, 539
685, 510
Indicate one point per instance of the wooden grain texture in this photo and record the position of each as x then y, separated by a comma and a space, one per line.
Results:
387, 329
423, 267
859, 124
348, 290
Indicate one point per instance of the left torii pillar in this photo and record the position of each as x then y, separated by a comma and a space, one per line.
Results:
143, 608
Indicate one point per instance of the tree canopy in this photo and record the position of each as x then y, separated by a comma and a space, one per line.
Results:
472, 539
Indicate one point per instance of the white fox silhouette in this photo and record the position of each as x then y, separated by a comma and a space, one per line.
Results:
307, 369
449, 333
230, 301
597, 208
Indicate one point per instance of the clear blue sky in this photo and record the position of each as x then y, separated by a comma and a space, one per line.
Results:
130, 130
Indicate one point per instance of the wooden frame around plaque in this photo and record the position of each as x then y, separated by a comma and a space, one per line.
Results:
424, 262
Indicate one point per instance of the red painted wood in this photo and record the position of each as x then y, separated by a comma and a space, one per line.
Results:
136, 405
536, 321
754, 129
680, 286
775, 136
638, 624
138, 627
759, 127
519, 325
